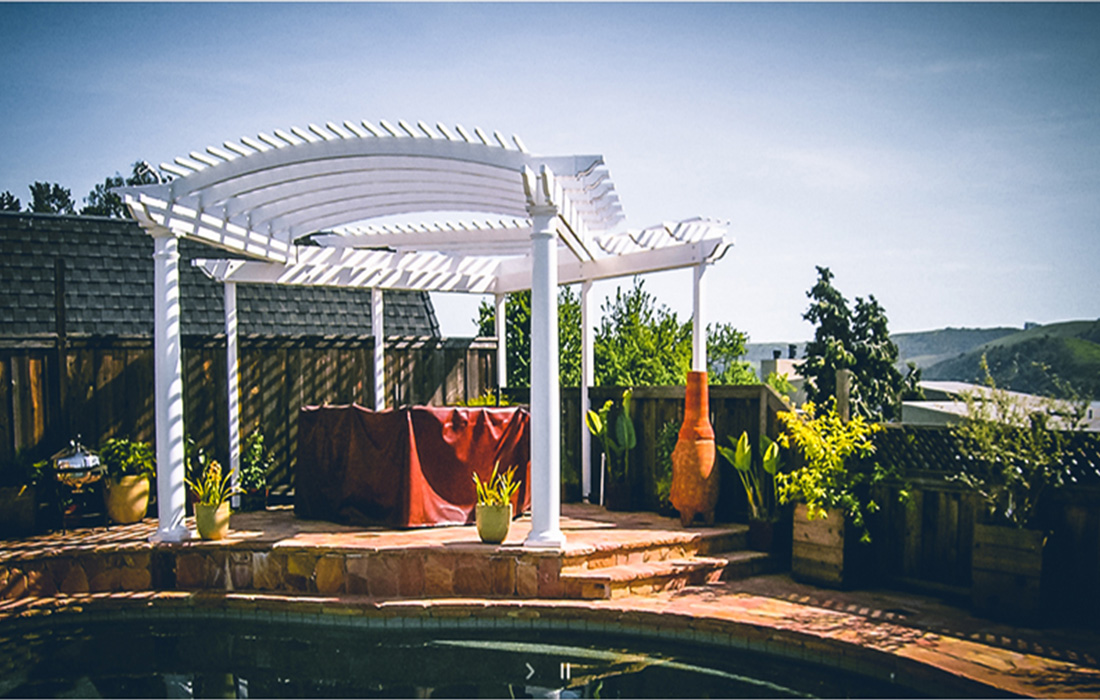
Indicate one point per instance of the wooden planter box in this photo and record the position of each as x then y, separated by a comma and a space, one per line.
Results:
827, 551
1006, 573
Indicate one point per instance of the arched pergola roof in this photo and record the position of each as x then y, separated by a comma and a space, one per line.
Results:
318, 206
259, 196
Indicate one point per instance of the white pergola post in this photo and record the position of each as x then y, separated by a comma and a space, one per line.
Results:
587, 379
500, 323
168, 390
232, 384
376, 311
698, 321
545, 392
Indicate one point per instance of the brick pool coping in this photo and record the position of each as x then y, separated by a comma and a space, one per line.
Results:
940, 664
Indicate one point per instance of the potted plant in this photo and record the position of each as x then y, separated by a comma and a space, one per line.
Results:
129, 465
19, 480
831, 490
617, 441
494, 504
1014, 449
758, 479
255, 464
212, 494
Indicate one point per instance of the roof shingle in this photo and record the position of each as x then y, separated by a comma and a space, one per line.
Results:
109, 288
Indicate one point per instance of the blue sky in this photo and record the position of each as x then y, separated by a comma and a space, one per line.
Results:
945, 158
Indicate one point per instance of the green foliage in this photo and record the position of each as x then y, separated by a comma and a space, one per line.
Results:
101, 201
488, 400
639, 343
667, 437
1015, 448
194, 459
51, 198
499, 489
23, 470
255, 463
122, 457
837, 473
517, 333
214, 488
858, 341
757, 476
725, 348
9, 202
781, 384
618, 439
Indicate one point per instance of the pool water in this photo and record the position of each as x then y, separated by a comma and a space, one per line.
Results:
226, 658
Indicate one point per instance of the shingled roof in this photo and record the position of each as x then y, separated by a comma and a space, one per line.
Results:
109, 288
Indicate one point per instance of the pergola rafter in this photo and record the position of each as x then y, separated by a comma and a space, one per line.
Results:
313, 207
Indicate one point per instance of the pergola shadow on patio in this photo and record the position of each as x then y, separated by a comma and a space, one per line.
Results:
333, 205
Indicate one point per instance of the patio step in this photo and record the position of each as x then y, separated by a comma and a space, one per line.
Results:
704, 543
655, 576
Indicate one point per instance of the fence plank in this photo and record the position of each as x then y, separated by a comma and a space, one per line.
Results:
7, 438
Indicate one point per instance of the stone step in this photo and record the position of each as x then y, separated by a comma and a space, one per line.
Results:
655, 576
685, 545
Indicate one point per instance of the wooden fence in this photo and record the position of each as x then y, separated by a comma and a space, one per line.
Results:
103, 388
733, 409
926, 543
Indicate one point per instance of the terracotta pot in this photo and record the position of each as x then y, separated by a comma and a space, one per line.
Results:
127, 498
493, 522
694, 476
212, 521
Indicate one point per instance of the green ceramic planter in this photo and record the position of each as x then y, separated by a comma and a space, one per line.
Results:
212, 522
493, 522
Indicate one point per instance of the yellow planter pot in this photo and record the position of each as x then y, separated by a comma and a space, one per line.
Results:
493, 522
212, 522
127, 499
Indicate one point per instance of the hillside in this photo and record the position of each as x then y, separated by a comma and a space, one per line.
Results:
927, 348
1034, 361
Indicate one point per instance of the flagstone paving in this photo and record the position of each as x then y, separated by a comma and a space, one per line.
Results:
918, 637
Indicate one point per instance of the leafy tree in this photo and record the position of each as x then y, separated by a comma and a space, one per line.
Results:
9, 202
51, 198
102, 201
859, 342
639, 343
725, 348
517, 332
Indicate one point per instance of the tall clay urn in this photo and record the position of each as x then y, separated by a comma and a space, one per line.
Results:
694, 474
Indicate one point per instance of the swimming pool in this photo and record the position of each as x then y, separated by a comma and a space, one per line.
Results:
207, 654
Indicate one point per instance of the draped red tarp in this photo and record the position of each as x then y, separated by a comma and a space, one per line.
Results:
408, 467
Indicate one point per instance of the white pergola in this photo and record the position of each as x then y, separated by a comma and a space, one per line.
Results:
535, 222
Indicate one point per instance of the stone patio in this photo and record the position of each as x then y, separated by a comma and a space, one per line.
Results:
694, 584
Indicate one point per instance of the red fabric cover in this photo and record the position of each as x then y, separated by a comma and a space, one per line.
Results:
409, 467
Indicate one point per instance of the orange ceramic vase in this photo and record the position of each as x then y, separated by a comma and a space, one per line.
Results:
694, 476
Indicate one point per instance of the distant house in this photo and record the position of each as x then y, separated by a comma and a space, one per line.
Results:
944, 405
103, 270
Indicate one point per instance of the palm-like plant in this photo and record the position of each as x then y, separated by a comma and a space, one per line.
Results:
498, 489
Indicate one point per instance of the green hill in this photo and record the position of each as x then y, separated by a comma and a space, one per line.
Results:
926, 348
1035, 361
